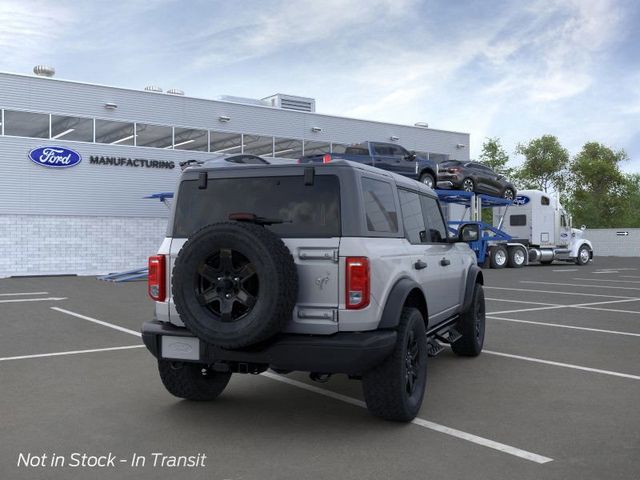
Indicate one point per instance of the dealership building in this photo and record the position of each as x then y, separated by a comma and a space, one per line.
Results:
77, 160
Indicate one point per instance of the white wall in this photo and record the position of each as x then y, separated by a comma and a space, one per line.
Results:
83, 245
607, 242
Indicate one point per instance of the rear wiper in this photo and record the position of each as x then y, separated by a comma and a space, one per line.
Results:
253, 218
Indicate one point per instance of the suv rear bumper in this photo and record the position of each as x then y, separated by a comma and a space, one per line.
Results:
344, 352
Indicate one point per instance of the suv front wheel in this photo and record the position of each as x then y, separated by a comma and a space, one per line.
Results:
394, 390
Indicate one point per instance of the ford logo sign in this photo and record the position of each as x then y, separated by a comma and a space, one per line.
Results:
55, 157
521, 200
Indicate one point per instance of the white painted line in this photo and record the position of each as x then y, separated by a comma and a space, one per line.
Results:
606, 272
556, 292
605, 280
565, 365
519, 301
23, 293
99, 322
485, 442
577, 305
20, 300
580, 285
72, 352
612, 269
572, 327
629, 276
567, 270
633, 312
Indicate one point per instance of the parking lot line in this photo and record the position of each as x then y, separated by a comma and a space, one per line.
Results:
629, 276
20, 300
23, 293
99, 322
573, 327
71, 352
556, 292
520, 301
602, 279
485, 442
566, 270
633, 312
580, 285
577, 305
564, 365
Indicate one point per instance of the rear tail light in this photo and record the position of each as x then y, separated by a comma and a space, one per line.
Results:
358, 285
326, 158
156, 278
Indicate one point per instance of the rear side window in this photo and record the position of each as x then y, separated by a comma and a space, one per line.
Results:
412, 218
379, 206
305, 210
517, 220
437, 231
357, 151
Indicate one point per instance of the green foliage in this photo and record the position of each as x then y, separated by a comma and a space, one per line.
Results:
545, 164
600, 194
495, 157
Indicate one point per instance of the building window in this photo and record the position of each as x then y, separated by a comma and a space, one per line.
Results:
71, 128
191, 139
227, 143
338, 148
157, 136
26, 124
287, 148
257, 145
316, 148
115, 133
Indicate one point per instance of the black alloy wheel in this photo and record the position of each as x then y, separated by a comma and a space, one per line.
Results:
227, 285
413, 362
508, 194
468, 185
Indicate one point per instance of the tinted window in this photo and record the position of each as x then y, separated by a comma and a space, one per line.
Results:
306, 210
518, 220
437, 231
356, 151
26, 124
71, 128
157, 136
545, 201
257, 145
190, 139
380, 208
385, 150
412, 216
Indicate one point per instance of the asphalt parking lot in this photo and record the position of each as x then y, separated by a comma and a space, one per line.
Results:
555, 394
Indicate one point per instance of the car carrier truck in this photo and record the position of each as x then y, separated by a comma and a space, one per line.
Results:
532, 228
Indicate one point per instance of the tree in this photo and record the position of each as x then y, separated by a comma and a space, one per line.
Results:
545, 164
599, 191
495, 157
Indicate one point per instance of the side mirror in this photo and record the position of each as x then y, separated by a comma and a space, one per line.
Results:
469, 232
583, 228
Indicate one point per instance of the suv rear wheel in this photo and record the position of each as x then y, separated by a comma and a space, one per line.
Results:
471, 325
191, 380
394, 390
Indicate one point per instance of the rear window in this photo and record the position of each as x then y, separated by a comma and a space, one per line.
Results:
306, 210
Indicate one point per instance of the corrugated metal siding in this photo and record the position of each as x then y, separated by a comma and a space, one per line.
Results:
607, 242
85, 189
57, 96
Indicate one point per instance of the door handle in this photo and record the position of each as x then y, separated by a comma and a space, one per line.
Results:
445, 261
419, 265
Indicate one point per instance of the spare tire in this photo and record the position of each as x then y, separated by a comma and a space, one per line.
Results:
234, 284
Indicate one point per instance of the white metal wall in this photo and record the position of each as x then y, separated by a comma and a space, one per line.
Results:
614, 242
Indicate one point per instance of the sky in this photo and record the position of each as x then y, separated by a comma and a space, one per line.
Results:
509, 69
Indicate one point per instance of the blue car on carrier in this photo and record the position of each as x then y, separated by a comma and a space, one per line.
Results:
387, 156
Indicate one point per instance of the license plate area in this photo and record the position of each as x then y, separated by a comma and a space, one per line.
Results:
180, 348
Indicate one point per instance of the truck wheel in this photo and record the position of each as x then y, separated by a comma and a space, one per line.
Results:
191, 380
234, 284
499, 257
394, 390
584, 255
428, 180
471, 326
468, 185
517, 257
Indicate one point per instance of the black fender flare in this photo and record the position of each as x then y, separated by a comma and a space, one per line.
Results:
397, 300
474, 275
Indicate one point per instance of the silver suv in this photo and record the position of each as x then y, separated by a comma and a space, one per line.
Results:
332, 268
